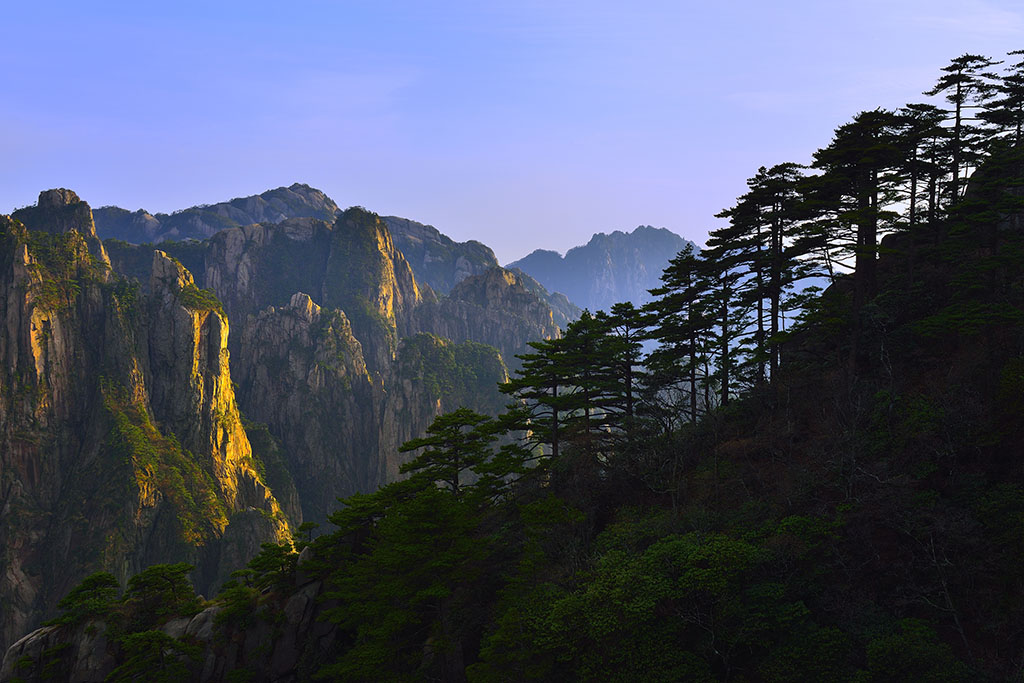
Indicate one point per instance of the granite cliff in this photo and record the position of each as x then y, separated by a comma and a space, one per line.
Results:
436, 259
121, 438
495, 308
120, 441
323, 309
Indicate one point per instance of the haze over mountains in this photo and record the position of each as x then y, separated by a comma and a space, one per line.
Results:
611, 267
121, 411
822, 487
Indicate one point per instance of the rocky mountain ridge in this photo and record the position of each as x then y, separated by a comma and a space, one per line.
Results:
200, 222
436, 259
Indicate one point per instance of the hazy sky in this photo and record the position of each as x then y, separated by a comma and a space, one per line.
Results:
524, 124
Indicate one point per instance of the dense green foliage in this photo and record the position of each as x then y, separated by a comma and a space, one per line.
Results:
93, 598
197, 299
450, 371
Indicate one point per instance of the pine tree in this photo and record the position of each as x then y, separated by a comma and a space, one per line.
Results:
542, 389
967, 85
857, 185
924, 142
766, 240
683, 317
1005, 110
624, 331
457, 441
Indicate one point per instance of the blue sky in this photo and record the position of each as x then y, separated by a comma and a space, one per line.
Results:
526, 124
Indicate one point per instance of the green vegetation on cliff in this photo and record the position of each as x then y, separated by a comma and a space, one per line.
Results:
160, 464
458, 374
196, 299
59, 263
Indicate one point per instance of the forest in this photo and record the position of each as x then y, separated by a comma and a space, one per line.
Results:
800, 461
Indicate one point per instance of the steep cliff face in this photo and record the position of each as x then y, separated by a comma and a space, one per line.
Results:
201, 222
120, 442
261, 265
493, 308
352, 265
436, 259
321, 309
563, 311
60, 211
369, 279
608, 269
301, 372
191, 394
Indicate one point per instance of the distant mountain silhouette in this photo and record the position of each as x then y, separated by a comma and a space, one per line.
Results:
608, 269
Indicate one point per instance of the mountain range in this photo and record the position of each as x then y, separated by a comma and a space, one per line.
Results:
128, 407
621, 266
135, 429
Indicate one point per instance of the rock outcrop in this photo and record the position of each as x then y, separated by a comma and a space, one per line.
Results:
260, 265
61, 211
301, 372
120, 442
493, 308
369, 279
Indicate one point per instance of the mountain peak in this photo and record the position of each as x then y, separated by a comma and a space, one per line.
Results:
609, 268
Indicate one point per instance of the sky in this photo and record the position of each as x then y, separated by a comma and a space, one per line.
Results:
523, 124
